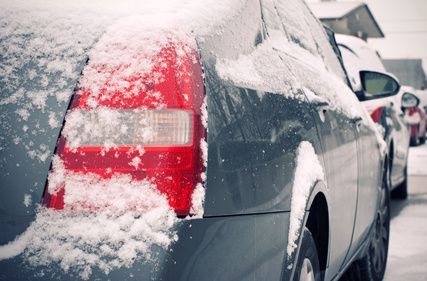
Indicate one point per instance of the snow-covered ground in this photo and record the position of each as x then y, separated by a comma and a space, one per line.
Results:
408, 238
417, 161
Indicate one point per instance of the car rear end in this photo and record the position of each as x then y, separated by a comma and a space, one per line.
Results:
120, 104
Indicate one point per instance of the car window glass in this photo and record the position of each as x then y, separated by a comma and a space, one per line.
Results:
307, 69
271, 19
333, 43
239, 36
294, 19
352, 66
306, 31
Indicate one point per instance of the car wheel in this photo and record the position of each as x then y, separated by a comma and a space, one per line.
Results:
371, 267
423, 139
415, 140
307, 268
401, 191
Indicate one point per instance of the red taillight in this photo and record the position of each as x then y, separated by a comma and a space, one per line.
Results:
376, 114
150, 127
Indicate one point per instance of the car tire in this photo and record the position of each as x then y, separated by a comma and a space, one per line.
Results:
307, 267
401, 191
415, 140
371, 267
423, 140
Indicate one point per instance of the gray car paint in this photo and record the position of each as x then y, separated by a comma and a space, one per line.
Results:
20, 173
249, 179
248, 247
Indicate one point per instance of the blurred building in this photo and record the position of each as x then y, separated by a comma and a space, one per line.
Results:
351, 18
408, 71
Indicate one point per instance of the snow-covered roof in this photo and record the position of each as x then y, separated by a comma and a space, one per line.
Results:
358, 55
369, 58
409, 71
352, 18
334, 10
422, 94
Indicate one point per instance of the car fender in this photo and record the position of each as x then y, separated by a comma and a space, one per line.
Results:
289, 261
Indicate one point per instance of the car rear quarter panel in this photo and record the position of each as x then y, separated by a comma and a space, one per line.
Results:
252, 142
253, 133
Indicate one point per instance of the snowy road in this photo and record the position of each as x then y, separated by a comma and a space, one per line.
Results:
408, 238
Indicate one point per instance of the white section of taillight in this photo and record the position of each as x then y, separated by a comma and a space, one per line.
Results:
117, 127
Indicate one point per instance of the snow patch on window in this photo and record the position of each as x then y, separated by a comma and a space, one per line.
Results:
261, 69
241, 71
280, 66
308, 172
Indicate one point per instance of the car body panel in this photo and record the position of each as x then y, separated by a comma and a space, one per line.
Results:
340, 155
252, 159
253, 135
396, 134
26, 151
357, 55
220, 248
368, 193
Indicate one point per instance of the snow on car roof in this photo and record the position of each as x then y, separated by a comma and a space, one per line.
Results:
333, 10
369, 58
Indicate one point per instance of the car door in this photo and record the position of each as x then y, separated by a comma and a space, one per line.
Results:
369, 184
324, 83
368, 179
401, 145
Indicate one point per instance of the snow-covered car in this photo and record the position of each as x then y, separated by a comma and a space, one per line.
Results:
415, 115
185, 140
386, 112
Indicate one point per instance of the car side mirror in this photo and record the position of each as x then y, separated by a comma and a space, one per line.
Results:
377, 85
409, 100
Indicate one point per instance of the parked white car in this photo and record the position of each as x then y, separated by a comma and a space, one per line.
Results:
358, 55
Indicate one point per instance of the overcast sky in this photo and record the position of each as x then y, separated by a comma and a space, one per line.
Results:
404, 23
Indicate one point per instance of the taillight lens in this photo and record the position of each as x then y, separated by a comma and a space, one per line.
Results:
376, 114
111, 127
147, 125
